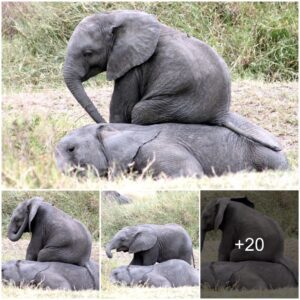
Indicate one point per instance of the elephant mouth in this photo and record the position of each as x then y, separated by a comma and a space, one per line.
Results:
123, 249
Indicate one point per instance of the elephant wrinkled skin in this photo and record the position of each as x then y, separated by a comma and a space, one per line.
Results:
175, 150
161, 75
171, 273
152, 243
246, 275
53, 275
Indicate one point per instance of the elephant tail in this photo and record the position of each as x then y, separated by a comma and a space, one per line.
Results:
252, 132
193, 258
291, 267
87, 265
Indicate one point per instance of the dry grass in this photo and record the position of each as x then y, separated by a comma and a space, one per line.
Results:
34, 122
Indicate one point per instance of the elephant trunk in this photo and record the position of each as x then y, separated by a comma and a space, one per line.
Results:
14, 233
202, 238
75, 86
110, 246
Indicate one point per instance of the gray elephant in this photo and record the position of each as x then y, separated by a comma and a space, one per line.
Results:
56, 236
114, 196
171, 149
171, 273
161, 75
152, 243
52, 275
240, 222
246, 275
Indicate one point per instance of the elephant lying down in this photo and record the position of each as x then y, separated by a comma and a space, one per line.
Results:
171, 273
246, 274
172, 149
53, 275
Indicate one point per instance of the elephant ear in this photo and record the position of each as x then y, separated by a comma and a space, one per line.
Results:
243, 200
121, 146
143, 240
221, 206
135, 36
33, 205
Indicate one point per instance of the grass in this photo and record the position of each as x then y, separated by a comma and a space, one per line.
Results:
149, 206
82, 205
257, 40
28, 140
11, 251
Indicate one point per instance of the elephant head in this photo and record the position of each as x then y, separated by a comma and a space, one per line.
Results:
132, 239
121, 276
22, 218
114, 42
102, 147
213, 214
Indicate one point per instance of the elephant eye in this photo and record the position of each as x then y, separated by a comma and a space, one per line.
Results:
71, 149
87, 53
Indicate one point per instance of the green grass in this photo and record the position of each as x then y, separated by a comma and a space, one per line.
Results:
257, 40
82, 205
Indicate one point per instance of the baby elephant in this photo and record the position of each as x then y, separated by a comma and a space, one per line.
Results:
53, 275
171, 273
246, 274
171, 149
55, 235
152, 243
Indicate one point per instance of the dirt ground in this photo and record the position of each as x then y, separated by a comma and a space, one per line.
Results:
273, 106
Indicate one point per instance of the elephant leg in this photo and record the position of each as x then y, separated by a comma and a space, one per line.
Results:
225, 248
52, 281
33, 248
152, 112
125, 96
56, 254
150, 257
137, 260
242, 255
155, 280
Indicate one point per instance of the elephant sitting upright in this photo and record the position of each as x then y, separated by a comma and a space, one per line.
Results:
152, 243
161, 75
55, 235
173, 150
241, 223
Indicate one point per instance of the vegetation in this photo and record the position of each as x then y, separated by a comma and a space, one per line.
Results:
82, 205
257, 40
